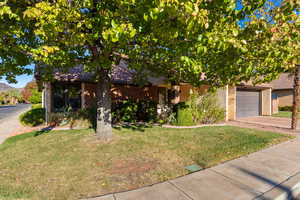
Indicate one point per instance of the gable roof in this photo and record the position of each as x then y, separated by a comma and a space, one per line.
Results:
285, 81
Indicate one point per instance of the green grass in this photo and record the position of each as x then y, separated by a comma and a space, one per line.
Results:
286, 114
73, 164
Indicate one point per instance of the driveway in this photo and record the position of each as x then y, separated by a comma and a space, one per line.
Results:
9, 111
9, 120
278, 122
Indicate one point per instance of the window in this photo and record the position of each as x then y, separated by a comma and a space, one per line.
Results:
66, 96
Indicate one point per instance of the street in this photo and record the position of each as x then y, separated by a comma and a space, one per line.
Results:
9, 111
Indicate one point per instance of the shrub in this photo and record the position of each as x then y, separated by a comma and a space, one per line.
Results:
200, 109
133, 111
206, 108
36, 96
285, 108
185, 117
33, 117
122, 111
83, 118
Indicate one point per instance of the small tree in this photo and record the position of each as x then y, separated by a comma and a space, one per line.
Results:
36, 97
31, 94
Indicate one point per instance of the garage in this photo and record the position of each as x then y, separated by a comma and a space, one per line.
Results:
247, 103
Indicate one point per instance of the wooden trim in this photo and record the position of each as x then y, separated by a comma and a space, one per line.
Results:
83, 102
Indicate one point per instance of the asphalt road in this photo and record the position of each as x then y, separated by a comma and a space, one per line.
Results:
9, 111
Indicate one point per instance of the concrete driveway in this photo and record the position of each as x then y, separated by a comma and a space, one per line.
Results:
278, 122
9, 120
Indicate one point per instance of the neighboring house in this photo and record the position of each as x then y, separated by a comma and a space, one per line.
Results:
77, 90
282, 93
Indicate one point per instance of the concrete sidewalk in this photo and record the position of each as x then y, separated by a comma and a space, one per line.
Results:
268, 174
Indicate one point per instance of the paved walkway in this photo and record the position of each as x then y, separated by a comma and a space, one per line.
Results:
278, 122
262, 175
11, 125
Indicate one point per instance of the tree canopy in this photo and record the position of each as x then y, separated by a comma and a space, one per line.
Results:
178, 39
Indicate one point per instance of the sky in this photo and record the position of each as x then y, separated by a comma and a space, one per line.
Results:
21, 80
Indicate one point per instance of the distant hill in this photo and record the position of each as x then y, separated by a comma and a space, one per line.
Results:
5, 87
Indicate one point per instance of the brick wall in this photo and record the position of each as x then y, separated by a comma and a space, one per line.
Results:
122, 92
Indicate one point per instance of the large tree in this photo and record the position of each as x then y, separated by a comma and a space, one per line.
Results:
178, 39
275, 45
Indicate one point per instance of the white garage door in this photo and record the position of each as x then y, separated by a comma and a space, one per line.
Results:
247, 103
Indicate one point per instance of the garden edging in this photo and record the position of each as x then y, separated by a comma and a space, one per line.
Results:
196, 126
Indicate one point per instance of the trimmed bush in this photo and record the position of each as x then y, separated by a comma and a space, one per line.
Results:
134, 111
184, 117
33, 117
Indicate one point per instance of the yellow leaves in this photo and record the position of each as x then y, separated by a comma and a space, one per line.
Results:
43, 5
5, 10
46, 50
119, 31
32, 13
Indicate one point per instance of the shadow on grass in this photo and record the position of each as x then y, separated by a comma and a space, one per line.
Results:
17, 138
133, 126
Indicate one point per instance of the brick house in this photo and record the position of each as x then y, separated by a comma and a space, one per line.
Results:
76, 89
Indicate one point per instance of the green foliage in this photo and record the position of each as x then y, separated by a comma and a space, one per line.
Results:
206, 109
133, 111
11, 97
34, 106
178, 39
185, 117
200, 109
285, 108
83, 118
36, 96
33, 117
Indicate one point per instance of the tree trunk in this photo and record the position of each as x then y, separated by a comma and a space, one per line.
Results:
296, 97
104, 122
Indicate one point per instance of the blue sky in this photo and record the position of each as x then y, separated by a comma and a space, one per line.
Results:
22, 80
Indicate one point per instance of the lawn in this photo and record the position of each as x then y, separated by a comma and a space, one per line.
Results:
286, 114
72, 164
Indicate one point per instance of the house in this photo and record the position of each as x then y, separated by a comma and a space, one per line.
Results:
76, 89
282, 93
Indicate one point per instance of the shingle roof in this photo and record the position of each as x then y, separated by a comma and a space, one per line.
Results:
285, 81
120, 75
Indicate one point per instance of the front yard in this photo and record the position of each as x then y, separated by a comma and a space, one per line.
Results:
72, 164
285, 114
